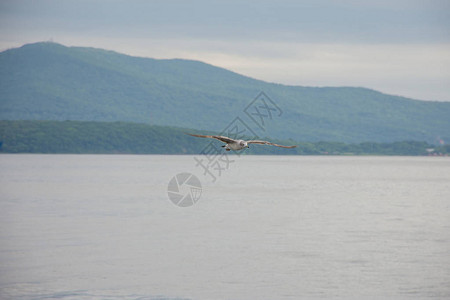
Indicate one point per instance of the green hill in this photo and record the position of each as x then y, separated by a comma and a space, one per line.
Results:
48, 81
132, 138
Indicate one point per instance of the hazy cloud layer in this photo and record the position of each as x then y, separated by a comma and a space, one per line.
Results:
399, 47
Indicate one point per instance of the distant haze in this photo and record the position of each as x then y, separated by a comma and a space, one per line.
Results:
398, 47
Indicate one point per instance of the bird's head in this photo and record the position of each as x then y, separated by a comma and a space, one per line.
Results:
243, 144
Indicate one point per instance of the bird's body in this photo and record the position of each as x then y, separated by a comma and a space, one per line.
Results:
236, 145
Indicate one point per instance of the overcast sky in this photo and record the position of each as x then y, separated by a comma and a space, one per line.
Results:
399, 47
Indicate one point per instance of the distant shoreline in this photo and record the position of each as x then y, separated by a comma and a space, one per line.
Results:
253, 155
86, 137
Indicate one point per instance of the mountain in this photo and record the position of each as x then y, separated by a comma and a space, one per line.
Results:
48, 81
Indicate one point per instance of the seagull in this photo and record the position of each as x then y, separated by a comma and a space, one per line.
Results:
232, 144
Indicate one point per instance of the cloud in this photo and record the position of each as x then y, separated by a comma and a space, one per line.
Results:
301, 21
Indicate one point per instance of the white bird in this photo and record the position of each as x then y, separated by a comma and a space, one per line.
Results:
232, 144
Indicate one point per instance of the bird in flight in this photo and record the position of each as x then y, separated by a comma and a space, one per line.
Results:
232, 144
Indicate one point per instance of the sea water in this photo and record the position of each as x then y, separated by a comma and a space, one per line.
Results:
268, 227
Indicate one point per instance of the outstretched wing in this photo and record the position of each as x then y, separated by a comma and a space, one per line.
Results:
217, 137
268, 143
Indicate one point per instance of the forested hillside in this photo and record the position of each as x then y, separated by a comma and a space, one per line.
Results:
132, 138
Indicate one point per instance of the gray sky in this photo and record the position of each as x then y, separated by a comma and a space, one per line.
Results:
399, 47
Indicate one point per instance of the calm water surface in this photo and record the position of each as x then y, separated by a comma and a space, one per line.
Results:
270, 227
